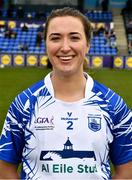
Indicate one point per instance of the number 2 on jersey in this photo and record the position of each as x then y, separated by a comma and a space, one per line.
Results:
70, 125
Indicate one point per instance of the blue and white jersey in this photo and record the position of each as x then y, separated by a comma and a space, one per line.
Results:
63, 140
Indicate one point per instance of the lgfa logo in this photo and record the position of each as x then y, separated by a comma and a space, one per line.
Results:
44, 123
44, 120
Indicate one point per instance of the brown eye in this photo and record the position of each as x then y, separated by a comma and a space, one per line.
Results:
54, 38
75, 38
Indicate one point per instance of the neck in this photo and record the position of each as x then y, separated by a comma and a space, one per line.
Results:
69, 88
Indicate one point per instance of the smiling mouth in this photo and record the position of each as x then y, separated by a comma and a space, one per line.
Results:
66, 58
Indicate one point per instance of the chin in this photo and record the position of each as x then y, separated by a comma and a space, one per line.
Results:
68, 72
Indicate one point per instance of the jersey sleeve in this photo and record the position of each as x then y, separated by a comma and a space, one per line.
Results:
121, 147
12, 137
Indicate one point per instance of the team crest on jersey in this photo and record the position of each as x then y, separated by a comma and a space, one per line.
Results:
94, 123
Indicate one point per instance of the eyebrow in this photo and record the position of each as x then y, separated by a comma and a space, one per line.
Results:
58, 34
74, 33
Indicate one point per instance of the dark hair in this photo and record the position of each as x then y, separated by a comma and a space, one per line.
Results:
67, 11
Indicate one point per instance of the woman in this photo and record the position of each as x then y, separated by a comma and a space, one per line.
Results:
67, 126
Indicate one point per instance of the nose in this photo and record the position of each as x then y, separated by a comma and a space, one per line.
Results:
65, 46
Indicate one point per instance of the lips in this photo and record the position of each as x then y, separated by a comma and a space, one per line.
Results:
66, 58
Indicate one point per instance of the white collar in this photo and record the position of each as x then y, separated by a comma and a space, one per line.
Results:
88, 89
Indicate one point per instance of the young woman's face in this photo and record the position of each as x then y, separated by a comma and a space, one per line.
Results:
66, 44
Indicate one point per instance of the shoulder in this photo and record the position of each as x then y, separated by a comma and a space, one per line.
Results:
40, 88
105, 93
23, 105
24, 100
115, 105
33, 90
101, 94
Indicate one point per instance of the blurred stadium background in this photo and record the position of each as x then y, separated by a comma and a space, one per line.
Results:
23, 59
